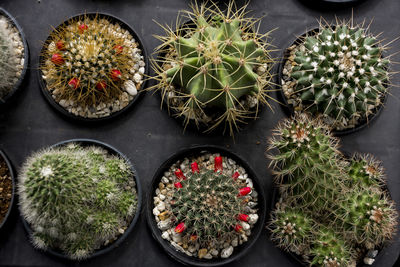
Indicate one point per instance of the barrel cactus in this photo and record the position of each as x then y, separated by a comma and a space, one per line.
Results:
92, 66
365, 171
76, 199
216, 69
338, 72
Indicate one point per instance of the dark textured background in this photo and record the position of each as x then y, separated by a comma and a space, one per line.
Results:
148, 136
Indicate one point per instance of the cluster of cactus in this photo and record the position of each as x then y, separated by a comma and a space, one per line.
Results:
331, 207
9, 58
210, 68
209, 205
76, 199
340, 72
89, 61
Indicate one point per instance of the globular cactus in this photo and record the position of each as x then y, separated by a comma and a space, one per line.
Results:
76, 199
369, 217
90, 61
212, 69
329, 249
291, 229
339, 72
306, 162
209, 205
365, 171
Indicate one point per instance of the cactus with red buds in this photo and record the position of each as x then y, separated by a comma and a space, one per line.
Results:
104, 58
208, 205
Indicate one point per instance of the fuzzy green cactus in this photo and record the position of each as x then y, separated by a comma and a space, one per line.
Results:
76, 199
369, 217
208, 205
330, 250
307, 160
215, 66
291, 229
339, 72
365, 171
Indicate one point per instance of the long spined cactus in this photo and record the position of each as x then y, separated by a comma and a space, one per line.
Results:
365, 171
339, 72
76, 199
215, 69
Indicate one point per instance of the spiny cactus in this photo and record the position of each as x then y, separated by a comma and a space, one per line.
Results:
365, 171
208, 205
76, 199
340, 72
369, 217
330, 250
91, 61
11, 54
307, 164
210, 69
291, 229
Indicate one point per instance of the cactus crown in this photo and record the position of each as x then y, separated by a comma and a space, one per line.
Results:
340, 72
208, 204
212, 63
366, 171
89, 60
76, 199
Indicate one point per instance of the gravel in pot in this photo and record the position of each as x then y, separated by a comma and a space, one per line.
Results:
7, 188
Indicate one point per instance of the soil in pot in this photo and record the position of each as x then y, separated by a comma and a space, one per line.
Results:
77, 201
338, 73
6, 189
92, 66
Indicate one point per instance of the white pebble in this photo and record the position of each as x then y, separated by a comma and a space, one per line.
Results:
161, 196
226, 252
165, 235
253, 218
130, 88
164, 225
368, 261
137, 77
161, 206
156, 212
245, 226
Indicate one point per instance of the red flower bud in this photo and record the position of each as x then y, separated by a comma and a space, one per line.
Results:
238, 228
244, 191
74, 83
101, 85
195, 167
235, 176
193, 238
217, 164
243, 217
118, 49
82, 28
178, 185
57, 59
60, 45
180, 228
179, 174
115, 74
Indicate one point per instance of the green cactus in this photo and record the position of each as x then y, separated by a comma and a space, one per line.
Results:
73, 200
365, 171
369, 217
307, 165
208, 205
330, 250
340, 72
291, 229
215, 65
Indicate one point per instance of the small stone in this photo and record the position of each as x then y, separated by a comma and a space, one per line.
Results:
208, 256
214, 252
202, 253
156, 212
176, 237
164, 225
165, 235
156, 200
163, 216
130, 87
252, 204
161, 196
177, 247
164, 180
249, 183
226, 244
253, 218
234, 242
161, 206
226, 252
368, 261
245, 226
192, 249
372, 253
137, 77
161, 186
121, 231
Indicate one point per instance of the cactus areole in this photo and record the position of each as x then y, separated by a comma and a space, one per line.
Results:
215, 69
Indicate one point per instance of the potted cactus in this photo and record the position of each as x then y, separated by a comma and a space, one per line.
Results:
13, 56
206, 207
79, 198
338, 72
7, 188
330, 210
92, 67
214, 70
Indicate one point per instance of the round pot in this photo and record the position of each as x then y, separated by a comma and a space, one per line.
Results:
121, 238
289, 110
240, 250
47, 94
19, 83
332, 3
4, 157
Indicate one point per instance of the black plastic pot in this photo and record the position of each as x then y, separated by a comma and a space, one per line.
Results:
331, 4
62, 110
297, 258
239, 251
19, 83
118, 242
289, 110
12, 174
